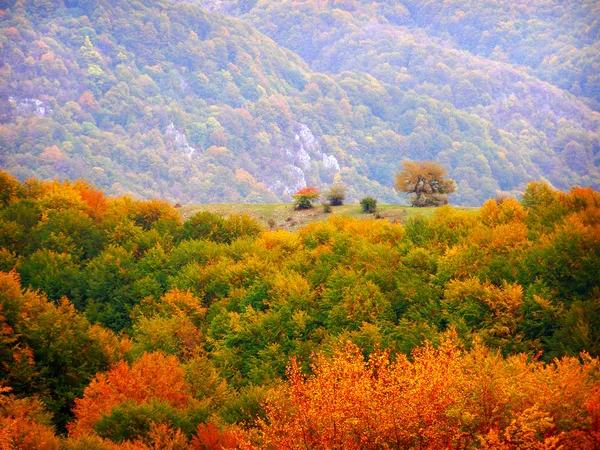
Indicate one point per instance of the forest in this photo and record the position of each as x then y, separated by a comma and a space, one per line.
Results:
123, 327
250, 100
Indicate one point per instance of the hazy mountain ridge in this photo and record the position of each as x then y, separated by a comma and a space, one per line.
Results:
124, 84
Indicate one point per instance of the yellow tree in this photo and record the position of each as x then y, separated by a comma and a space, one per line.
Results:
426, 181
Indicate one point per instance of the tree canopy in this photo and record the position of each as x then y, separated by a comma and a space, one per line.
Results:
129, 329
426, 181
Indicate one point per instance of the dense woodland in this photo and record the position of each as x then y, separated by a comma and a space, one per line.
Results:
249, 101
122, 327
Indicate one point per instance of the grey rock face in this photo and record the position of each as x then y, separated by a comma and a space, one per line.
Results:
303, 160
178, 138
331, 163
29, 106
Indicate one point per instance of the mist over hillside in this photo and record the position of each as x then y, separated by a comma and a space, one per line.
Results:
249, 101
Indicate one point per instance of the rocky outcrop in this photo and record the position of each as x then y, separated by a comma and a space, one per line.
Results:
308, 139
303, 160
177, 137
221, 6
331, 163
288, 183
29, 106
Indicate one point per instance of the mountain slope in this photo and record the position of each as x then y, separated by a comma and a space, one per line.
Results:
174, 100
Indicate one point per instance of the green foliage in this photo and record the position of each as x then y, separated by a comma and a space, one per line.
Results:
48, 350
368, 205
206, 225
56, 274
131, 421
110, 287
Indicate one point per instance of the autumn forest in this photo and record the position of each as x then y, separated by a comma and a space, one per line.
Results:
123, 327
135, 317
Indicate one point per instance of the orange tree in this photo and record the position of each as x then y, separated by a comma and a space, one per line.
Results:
443, 397
426, 181
304, 198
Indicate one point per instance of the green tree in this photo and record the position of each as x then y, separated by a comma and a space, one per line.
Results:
426, 181
368, 205
48, 350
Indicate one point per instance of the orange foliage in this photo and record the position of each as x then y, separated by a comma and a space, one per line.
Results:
87, 99
51, 154
350, 403
93, 198
147, 213
310, 191
60, 196
209, 437
507, 211
154, 375
12, 33
24, 424
440, 398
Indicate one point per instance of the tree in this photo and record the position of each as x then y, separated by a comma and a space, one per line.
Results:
368, 205
426, 181
305, 197
152, 376
443, 397
9, 188
336, 195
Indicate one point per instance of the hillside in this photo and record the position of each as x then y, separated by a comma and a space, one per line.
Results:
248, 101
125, 327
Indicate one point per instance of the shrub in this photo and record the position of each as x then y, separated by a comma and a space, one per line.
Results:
368, 205
305, 197
336, 195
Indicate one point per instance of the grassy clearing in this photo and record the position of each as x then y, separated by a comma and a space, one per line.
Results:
283, 215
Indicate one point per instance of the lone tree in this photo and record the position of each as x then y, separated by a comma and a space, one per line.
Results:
305, 197
426, 181
336, 195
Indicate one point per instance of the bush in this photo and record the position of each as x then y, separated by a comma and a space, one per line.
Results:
207, 225
326, 208
368, 205
336, 195
305, 197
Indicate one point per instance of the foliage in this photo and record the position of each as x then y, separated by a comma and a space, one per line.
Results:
209, 313
425, 180
194, 106
336, 195
49, 350
152, 376
206, 225
305, 197
368, 205
25, 423
440, 398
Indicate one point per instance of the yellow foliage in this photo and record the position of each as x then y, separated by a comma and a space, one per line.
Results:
507, 211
